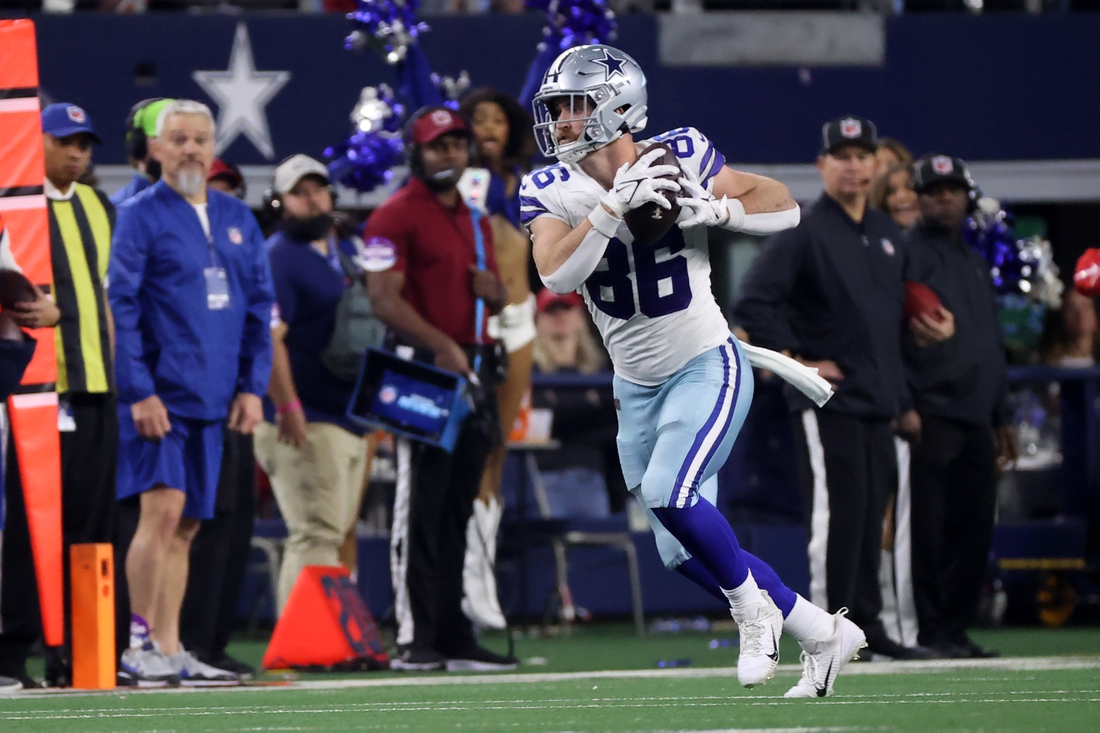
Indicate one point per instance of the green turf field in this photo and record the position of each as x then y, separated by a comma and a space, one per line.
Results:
602, 679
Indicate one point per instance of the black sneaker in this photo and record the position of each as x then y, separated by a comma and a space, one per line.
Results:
965, 648
418, 659
228, 663
59, 671
480, 659
886, 647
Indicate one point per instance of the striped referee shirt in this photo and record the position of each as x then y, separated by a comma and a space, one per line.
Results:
81, 220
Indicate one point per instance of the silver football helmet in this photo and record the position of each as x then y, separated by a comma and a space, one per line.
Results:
603, 81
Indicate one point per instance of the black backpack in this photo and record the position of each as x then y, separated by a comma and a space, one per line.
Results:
357, 328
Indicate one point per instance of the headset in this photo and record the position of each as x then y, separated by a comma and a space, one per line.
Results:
412, 150
271, 203
137, 142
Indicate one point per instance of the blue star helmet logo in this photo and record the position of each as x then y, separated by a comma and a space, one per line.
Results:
612, 65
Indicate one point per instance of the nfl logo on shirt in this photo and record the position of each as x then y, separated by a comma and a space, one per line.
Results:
851, 128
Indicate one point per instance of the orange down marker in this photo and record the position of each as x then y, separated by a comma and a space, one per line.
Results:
34, 412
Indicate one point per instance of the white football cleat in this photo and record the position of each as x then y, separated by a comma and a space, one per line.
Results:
823, 661
759, 643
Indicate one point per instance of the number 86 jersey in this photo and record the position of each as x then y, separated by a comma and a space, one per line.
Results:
652, 304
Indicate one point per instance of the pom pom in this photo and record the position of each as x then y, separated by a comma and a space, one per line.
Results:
576, 22
386, 26
452, 89
364, 161
1018, 266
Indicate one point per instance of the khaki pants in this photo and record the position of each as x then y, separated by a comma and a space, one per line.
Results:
318, 488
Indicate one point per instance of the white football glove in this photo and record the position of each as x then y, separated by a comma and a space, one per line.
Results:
640, 184
707, 210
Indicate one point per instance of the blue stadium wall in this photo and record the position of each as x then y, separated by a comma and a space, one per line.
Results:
985, 88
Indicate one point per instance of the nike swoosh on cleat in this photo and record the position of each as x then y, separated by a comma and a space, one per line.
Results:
774, 656
824, 690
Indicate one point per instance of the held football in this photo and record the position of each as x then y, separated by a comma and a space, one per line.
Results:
649, 222
920, 299
15, 288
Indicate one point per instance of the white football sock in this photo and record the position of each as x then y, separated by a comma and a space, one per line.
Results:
744, 596
808, 623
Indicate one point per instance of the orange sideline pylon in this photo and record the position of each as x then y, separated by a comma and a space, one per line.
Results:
34, 412
325, 623
93, 618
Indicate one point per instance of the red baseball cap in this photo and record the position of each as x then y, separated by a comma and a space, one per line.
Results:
1086, 278
220, 169
437, 121
548, 297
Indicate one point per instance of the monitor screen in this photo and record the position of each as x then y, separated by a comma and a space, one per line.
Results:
412, 403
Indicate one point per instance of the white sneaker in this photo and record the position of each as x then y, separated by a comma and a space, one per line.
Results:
146, 666
823, 661
193, 673
9, 685
759, 643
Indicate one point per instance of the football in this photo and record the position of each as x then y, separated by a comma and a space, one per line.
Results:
15, 288
920, 299
649, 222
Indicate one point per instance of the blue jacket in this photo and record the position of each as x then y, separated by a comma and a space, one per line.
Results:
136, 185
168, 342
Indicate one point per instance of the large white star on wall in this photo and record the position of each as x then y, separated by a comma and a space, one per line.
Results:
242, 94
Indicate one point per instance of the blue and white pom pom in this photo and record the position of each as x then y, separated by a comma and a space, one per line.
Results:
1018, 266
576, 22
364, 161
387, 26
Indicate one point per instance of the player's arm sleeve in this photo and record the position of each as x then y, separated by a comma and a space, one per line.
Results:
130, 248
254, 369
535, 202
699, 159
762, 308
539, 204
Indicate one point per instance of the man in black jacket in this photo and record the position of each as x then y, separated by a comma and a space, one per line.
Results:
959, 389
830, 293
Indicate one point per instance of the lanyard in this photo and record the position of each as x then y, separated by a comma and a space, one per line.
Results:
209, 232
479, 306
333, 256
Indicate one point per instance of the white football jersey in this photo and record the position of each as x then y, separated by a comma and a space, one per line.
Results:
653, 304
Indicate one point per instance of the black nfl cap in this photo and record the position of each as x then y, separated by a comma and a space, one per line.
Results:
934, 169
848, 131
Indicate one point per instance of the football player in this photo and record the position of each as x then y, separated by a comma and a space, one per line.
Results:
683, 384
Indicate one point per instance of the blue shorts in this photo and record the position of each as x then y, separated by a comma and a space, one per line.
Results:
188, 458
674, 437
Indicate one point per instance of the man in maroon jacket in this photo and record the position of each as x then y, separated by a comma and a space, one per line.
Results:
433, 279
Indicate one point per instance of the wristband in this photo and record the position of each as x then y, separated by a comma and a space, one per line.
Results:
735, 215
288, 407
603, 222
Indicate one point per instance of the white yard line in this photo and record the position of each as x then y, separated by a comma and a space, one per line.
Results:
1017, 664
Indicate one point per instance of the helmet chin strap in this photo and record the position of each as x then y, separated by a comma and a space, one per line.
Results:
576, 156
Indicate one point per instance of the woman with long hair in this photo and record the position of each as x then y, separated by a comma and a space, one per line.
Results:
893, 193
503, 145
